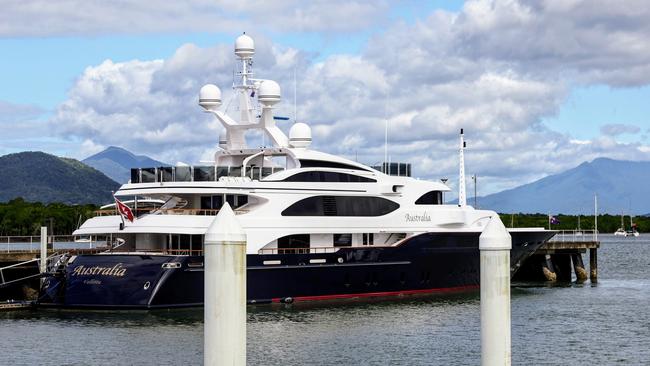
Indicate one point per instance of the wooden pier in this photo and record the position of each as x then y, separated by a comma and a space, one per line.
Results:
554, 261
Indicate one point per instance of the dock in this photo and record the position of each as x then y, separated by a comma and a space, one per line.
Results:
16, 305
561, 257
20, 263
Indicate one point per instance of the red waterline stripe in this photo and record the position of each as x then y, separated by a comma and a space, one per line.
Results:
378, 294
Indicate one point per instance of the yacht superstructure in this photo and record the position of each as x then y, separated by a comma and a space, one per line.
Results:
317, 225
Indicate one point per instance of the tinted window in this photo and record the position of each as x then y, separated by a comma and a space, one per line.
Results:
135, 175
294, 241
316, 176
342, 240
166, 174
148, 175
308, 163
182, 174
204, 173
341, 206
430, 198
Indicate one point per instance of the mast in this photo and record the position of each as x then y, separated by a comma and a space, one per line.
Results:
462, 199
387, 169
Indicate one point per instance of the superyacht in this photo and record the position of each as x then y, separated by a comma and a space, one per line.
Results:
318, 226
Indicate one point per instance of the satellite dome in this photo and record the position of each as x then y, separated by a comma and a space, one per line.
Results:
269, 93
223, 140
210, 97
300, 135
244, 46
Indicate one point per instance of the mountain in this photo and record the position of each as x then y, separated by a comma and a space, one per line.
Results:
37, 176
621, 186
117, 162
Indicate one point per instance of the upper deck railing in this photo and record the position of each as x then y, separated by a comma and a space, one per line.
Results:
209, 173
168, 211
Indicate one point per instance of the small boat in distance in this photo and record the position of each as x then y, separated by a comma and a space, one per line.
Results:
623, 232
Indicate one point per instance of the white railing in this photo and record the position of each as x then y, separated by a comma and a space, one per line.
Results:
575, 236
32, 243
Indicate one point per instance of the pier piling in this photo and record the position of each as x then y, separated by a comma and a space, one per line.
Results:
495, 244
579, 267
593, 265
43, 249
225, 291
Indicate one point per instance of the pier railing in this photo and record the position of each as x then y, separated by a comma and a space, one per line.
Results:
31, 243
575, 236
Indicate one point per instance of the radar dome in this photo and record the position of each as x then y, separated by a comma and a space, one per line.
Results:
210, 97
300, 135
244, 46
269, 93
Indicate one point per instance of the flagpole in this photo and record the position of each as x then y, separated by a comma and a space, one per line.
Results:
117, 208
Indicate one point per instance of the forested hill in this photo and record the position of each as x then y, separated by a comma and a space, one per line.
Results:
40, 177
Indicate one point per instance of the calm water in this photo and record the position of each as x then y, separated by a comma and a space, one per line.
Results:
577, 324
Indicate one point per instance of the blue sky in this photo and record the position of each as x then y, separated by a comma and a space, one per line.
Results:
525, 80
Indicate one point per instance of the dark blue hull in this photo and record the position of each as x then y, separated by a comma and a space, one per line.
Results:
428, 262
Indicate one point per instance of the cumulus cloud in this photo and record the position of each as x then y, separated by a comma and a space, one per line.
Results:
38, 18
615, 129
496, 68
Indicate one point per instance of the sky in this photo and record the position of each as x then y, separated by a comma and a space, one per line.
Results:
538, 86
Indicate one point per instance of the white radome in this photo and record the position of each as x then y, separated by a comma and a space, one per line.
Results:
210, 97
300, 135
244, 46
268, 93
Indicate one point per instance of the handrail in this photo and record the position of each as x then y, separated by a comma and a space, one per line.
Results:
168, 211
2, 277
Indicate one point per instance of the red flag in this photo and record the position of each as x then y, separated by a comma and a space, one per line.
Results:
124, 210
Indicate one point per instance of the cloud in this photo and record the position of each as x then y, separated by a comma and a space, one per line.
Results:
496, 69
615, 129
41, 18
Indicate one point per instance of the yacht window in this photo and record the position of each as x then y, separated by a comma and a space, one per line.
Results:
317, 176
166, 174
368, 239
230, 198
183, 174
216, 202
204, 174
135, 175
341, 206
309, 163
293, 241
342, 240
148, 175
430, 198
206, 202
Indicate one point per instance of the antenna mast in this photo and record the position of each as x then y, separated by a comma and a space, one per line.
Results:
462, 200
385, 167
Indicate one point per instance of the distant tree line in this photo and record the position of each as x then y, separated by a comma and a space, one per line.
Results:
606, 223
18, 217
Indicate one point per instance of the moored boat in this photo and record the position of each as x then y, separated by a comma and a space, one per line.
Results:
318, 226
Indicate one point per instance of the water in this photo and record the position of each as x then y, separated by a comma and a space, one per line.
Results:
575, 324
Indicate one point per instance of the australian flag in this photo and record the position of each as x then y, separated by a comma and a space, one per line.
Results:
554, 220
